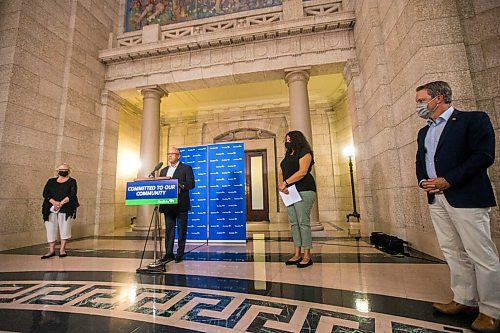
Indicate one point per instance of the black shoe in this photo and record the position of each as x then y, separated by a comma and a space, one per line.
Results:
167, 258
47, 256
293, 262
309, 263
178, 259
62, 255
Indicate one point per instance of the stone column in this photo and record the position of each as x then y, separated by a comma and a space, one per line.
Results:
300, 118
150, 145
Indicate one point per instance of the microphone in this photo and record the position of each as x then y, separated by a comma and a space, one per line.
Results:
157, 167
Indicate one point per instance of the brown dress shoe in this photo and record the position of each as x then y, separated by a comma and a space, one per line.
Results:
486, 324
453, 308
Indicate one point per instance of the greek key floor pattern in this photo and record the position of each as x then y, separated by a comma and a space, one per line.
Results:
209, 292
203, 310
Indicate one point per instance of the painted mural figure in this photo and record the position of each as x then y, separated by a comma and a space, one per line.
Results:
144, 12
147, 10
159, 9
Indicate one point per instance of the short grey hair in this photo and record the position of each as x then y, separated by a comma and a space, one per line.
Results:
437, 88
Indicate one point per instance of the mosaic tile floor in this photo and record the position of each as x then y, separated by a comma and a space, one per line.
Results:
352, 287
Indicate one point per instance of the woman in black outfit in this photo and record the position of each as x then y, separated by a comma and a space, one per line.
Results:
295, 169
59, 209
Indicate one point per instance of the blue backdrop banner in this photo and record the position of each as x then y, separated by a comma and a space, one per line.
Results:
218, 207
227, 206
196, 157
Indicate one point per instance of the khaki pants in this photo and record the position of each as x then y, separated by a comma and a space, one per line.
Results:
300, 220
465, 239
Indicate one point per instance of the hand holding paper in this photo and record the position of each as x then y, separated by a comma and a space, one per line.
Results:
292, 197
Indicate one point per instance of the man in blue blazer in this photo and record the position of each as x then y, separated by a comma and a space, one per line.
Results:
179, 212
454, 151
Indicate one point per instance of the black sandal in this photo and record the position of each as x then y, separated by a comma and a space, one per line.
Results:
309, 263
293, 262
47, 256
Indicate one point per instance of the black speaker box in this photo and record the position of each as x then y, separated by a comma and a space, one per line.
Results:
389, 244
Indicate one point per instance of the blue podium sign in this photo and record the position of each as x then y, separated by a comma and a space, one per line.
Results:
151, 192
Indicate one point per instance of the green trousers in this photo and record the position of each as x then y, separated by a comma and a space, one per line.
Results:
300, 220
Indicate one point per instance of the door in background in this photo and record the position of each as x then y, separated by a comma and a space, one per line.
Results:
256, 192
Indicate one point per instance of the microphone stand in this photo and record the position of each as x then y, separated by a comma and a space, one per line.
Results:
157, 266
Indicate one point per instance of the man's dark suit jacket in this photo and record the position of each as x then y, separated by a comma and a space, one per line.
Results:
465, 150
184, 173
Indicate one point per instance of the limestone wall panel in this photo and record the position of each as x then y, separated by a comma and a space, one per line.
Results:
23, 156
408, 77
35, 26
32, 63
25, 79
480, 28
487, 83
25, 136
10, 20
389, 14
8, 38
406, 164
490, 52
7, 55
364, 53
4, 94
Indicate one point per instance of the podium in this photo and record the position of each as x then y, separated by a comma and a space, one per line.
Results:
152, 191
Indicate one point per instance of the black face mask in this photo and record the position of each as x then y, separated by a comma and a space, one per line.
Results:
63, 173
288, 145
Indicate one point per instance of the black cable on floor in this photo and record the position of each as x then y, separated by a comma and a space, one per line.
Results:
326, 243
420, 258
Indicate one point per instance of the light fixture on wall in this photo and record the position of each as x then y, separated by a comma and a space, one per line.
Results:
354, 227
128, 165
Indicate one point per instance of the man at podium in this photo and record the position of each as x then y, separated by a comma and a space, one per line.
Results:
179, 212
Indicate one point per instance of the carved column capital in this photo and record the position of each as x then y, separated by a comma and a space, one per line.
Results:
296, 74
153, 92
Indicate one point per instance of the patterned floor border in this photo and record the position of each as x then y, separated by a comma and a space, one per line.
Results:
202, 310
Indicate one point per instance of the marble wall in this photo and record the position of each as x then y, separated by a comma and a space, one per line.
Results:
52, 110
400, 45
480, 25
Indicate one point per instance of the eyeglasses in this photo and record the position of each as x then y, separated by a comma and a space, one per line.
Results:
173, 154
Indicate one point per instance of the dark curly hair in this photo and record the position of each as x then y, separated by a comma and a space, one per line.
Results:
298, 142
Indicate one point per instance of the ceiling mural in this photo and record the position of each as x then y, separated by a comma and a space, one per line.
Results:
143, 12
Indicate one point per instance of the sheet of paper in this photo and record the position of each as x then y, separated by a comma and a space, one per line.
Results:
292, 197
